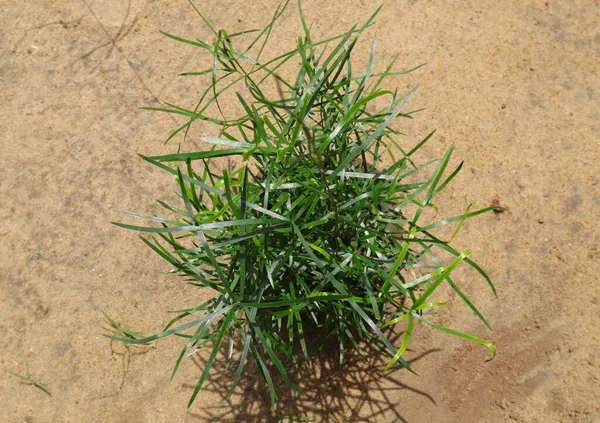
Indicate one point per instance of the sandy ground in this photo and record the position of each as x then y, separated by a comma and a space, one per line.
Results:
513, 84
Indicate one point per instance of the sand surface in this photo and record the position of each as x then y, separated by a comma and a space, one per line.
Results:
514, 85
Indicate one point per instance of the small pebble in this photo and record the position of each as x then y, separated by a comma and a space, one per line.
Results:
496, 202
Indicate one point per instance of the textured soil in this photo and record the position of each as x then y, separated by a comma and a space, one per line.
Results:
514, 85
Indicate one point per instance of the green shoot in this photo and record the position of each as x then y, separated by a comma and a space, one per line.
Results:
28, 380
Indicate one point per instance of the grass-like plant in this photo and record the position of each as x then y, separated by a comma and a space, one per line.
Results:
29, 380
319, 229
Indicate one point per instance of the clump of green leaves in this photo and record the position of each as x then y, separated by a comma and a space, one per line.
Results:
319, 227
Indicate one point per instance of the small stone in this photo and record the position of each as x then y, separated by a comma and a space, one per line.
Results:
41, 311
540, 221
496, 203
36, 256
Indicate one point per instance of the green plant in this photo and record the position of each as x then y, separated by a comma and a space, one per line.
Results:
321, 223
121, 330
28, 380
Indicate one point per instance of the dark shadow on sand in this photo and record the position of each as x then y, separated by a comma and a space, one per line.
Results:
359, 391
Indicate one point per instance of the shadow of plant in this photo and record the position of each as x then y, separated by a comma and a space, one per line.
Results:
358, 391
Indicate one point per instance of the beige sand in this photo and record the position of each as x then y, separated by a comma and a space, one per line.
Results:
513, 84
